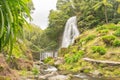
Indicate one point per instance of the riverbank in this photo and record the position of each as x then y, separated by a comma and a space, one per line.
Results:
50, 72
94, 52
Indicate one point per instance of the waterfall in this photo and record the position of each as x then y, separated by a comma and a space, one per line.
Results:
70, 32
69, 35
48, 54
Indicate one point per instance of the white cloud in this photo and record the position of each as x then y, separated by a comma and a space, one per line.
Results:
41, 12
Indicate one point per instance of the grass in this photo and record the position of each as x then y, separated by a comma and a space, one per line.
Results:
101, 43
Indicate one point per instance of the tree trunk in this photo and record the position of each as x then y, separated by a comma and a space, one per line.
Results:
105, 13
112, 63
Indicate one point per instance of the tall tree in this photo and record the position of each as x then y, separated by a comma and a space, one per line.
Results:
104, 4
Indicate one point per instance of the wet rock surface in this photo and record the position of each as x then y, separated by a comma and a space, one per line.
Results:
48, 72
59, 61
58, 77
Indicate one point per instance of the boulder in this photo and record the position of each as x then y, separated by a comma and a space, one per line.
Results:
96, 73
58, 77
42, 77
59, 61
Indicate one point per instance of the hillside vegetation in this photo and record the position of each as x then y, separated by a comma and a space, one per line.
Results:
21, 42
100, 43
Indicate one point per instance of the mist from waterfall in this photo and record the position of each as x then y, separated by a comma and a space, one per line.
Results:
70, 32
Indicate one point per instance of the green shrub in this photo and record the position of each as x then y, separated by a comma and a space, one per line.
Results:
103, 32
70, 58
35, 71
90, 37
110, 26
99, 49
74, 50
78, 55
82, 40
86, 39
86, 70
116, 43
49, 60
101, 28
113, 27
117, 33
108, 40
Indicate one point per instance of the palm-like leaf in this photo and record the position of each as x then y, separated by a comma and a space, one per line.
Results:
97, 6
12, 14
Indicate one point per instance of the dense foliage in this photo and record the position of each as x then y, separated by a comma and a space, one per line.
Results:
95, 45
97, 41
12, 46
90, 13
12, 17
32, 36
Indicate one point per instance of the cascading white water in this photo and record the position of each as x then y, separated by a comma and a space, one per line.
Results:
48, 54
70, 32
69, 35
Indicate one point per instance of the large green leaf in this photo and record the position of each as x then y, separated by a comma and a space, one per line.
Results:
12, 18
2, 23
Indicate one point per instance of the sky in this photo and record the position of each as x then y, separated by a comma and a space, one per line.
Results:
41, 12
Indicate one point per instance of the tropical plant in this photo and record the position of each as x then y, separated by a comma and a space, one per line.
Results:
12, 16
108, 40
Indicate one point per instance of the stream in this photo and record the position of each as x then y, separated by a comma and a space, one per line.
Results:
48, 72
